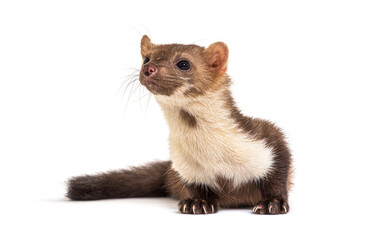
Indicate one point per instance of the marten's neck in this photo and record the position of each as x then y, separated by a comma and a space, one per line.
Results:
210, 108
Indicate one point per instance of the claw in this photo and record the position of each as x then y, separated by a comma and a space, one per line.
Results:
285, 210
256, 208
196, 206
204, 209
272, 206
184, 208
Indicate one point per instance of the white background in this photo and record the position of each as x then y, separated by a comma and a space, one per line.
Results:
302, 64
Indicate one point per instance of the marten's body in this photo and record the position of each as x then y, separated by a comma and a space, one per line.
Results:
218, 156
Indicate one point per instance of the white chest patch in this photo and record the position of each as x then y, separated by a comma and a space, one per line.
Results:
216, 147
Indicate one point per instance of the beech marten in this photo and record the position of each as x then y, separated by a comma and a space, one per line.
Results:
219, 158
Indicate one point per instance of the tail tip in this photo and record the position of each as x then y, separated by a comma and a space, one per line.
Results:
80, 188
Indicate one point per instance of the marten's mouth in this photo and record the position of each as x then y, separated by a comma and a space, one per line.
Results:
151, 84
158, 85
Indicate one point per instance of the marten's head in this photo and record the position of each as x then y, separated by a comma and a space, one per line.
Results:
189, 70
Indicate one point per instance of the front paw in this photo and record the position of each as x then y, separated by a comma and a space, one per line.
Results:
273, 206
197, 206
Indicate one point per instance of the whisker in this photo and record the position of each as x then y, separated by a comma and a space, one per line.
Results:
146, 94
147, 104
170, 79
137, 87
129, 96
127, 81
140, 94
175, 78
127, 86
140, 97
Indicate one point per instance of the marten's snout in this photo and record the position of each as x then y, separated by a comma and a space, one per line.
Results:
149, 69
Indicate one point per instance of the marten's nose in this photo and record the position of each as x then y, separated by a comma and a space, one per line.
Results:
149, 69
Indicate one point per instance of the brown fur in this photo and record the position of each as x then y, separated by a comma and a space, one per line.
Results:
145, 181
188, 118
276, 182
246, 195
154, 180
206, 74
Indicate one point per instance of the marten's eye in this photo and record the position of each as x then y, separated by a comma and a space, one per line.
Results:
183, 65
146, 60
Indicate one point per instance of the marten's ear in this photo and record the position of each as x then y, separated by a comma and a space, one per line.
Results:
216, 56
146, 45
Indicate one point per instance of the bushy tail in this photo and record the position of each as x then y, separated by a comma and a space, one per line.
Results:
145, 181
